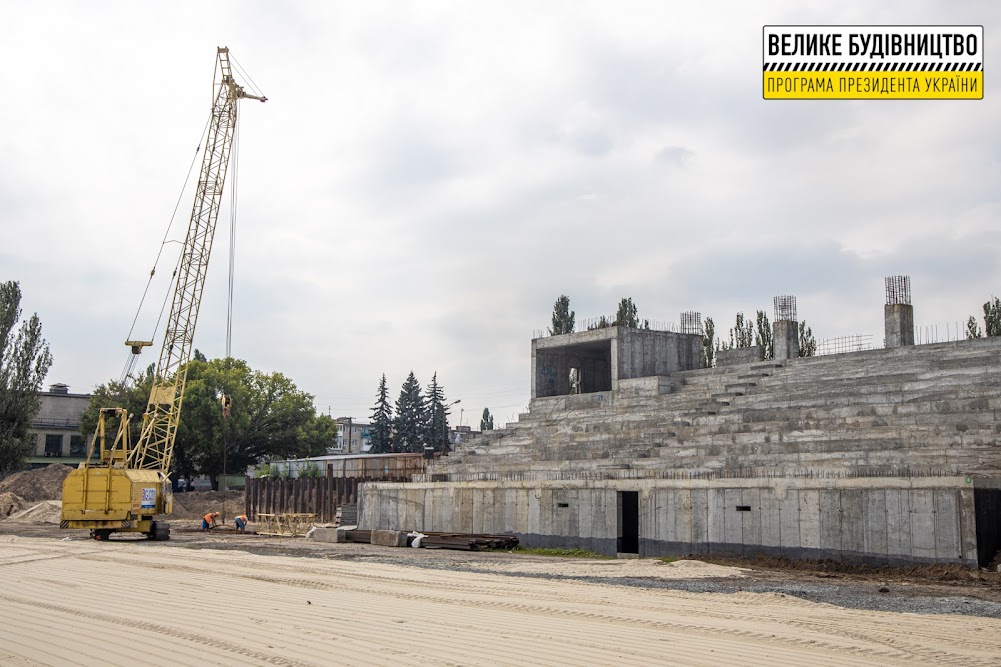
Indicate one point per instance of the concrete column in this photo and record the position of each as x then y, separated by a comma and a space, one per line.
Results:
898, 319
785, 340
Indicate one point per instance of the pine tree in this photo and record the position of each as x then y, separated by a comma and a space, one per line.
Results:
24, 363
487, 420
437, 416
410, 422
382, 420
563, 317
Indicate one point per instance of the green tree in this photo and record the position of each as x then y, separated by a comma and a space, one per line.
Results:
973, 329
437, 416
602, 323
382, 420
487, 420
763, 336
563, 317
270, 418
992, 317
410, 421
24, 362
741, 335
709, 343
626, 314
320, 434
807, 343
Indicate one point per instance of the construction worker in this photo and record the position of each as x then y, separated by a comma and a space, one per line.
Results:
241, 523
210, 521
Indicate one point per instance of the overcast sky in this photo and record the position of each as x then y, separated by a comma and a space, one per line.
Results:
427, 178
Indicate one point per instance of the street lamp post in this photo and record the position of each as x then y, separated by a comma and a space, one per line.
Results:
444, 425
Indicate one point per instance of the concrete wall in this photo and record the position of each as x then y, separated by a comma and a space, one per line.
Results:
738, 355
898, 322
643, 353
874, 520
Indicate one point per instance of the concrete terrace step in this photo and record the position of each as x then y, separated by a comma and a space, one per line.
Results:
934, 405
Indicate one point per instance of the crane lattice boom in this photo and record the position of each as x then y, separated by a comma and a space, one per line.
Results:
155, 448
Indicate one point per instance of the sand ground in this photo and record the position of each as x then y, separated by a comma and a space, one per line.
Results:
75, 601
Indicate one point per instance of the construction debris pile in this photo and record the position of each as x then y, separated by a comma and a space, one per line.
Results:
36, 485
195, 504
33, 496
10, 503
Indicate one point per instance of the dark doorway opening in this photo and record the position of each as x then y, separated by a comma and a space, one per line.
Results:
987, 508
591, 361
629, 522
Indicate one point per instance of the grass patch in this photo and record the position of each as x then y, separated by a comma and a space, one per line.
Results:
668, 559
558, 553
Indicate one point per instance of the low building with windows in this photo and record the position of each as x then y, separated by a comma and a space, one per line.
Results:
56, 428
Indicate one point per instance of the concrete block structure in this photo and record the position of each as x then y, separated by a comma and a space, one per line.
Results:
596, 360
738, 355
898, 313
880, 456
904, 520
785, 329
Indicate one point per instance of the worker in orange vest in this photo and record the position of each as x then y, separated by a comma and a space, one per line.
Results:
209, 521
241, 523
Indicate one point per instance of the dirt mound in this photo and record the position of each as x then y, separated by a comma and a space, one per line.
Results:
10, 503
195, 504
47, 511
39, 484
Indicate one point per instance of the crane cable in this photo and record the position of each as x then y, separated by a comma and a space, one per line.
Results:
132, 358
243, 73
234, 182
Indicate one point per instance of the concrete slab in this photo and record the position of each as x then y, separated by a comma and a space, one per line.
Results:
389, 538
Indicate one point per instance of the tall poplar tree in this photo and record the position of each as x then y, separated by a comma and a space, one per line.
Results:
24, 362
563, 317
487, 420
709, 343
807, 343
626, 315
763, 336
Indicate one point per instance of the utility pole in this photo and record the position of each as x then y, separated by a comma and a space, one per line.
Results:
444, 425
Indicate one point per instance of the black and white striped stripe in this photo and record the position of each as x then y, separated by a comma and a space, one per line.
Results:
872, 67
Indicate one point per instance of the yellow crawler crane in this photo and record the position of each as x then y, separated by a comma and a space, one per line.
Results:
129, 486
